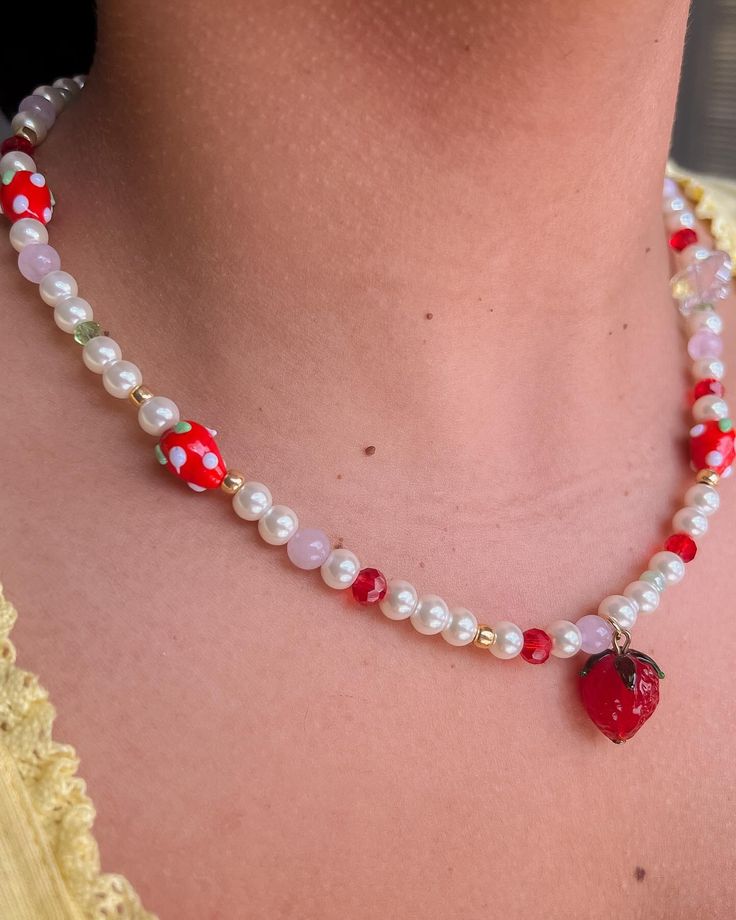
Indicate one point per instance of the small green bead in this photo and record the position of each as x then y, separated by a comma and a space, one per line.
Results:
182, 427
8, 176
84, 332
725, 424
159, 455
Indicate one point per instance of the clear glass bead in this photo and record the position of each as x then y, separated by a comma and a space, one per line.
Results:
702, 282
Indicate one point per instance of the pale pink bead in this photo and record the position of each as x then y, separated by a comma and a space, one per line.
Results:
308, 548
596, 633
670, 188
37, 260
705, 344
39, 106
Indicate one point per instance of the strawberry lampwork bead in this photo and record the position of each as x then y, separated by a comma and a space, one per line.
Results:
189, 451
25, 194
712, 445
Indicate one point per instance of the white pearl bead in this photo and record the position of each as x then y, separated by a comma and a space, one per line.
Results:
618, 608
708, 368
690, 521
566, 638
400, 600
120, 377
54, 96
56, 286
431, 615
705, 319
99, 352
669, 565
158, 414
644, 595
80, 80
27, 231
278, 525
341, 569
509, 640
66, 83
252, 501
710, 408
462, 627
16, 161
71, 311
673, 205
30, 120
703, 497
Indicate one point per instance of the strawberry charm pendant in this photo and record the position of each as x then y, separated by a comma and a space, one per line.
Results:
189, 451
620, 689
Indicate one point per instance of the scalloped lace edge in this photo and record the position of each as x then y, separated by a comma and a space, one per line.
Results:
58, 796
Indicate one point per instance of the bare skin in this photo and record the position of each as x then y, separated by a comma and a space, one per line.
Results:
265, 206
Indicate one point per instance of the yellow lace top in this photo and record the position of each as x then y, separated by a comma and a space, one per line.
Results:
49, 860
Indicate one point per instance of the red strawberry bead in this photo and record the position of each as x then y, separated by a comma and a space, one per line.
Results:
620, 692
25, 194
711, 445
189, 451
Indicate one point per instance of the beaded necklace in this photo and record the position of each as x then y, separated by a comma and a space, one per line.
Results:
619, 686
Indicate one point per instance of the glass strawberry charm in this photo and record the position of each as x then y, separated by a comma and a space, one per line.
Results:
620, 689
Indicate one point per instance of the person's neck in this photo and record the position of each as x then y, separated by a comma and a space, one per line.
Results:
289, 194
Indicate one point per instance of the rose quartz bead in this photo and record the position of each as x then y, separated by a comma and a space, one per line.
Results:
41, 107
670, 188
705, 344
308, 548
36, 261
596, 633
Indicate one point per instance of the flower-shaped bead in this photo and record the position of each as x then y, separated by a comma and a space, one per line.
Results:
189, 451
25, 194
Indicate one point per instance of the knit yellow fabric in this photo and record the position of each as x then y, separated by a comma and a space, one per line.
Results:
49, 861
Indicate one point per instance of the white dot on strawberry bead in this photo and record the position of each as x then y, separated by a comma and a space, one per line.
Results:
714, 458
697, 430
20, 204
177, 457
47, 213
727, 472
38, 180
210, 461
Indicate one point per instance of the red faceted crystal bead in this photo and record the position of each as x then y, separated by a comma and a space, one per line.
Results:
16, 142
369, 587
620, 692
708, 387
683, 545
537, 646
683, 238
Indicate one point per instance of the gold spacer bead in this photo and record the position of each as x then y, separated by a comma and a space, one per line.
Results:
232, 482
484, 637
709, 477
29, 134
139, 395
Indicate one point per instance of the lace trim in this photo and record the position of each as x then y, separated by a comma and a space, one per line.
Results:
59, 798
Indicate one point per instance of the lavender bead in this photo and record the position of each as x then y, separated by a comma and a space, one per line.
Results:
596, 633
670, 188
705, 344
41, 107
37, 260
308, 548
